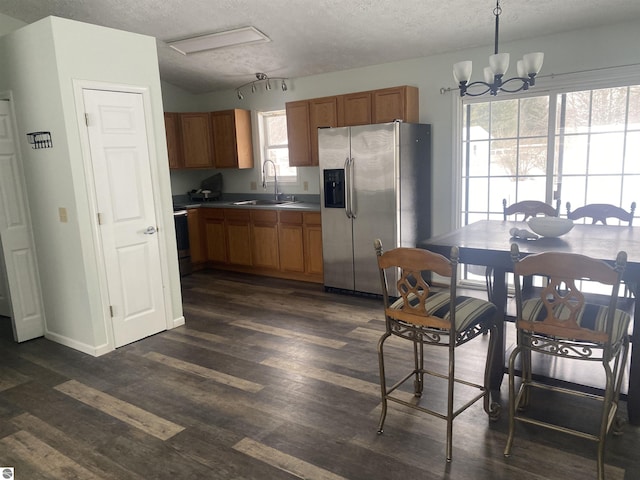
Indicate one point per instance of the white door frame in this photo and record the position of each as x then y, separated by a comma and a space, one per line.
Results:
78, 87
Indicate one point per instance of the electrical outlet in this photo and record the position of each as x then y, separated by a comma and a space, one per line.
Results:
305, 186
62, 213
254, 186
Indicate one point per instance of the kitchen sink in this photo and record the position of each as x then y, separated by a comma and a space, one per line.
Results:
263, 202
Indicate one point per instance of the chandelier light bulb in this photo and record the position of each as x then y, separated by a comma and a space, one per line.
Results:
533, 62
489, 76
462, 71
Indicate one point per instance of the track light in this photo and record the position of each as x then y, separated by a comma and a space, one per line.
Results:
262, 77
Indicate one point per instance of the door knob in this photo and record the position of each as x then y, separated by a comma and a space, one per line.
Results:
150, 230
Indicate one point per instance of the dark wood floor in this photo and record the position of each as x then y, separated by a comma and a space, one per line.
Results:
268, 379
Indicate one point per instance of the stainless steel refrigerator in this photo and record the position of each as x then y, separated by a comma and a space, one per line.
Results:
375, 183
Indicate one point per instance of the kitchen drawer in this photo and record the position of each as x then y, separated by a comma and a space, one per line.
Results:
212, 213
264, 216
291, 217
312, 218
237, 215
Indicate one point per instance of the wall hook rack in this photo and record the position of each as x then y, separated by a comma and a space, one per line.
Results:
40, 139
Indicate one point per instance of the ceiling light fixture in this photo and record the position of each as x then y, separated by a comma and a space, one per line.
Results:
229, 38
261, 77
527, 69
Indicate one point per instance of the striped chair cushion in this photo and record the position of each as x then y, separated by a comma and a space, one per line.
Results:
592, 316
469, 311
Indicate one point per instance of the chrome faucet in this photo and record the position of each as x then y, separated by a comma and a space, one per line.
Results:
275, 178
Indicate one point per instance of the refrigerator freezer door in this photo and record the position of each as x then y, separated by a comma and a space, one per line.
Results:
337, 234
374, 150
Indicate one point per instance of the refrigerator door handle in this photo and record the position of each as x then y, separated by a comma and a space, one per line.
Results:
347, 182
352, 207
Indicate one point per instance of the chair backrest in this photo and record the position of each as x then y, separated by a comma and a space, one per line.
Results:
599, 212
415, 266
530, 208
560, 310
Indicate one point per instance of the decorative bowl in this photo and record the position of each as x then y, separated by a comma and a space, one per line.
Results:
550, 226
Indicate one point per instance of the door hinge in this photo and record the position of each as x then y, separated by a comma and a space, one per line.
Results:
86, 119
100, 218
111, 310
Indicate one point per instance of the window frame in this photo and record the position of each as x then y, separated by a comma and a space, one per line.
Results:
266, 174
549, 85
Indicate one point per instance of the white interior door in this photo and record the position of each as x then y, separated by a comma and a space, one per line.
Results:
5, 301
126, 212
23, 300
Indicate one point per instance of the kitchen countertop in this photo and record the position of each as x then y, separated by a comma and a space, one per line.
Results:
299, 206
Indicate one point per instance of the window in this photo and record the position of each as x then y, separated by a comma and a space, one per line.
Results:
581, 147
274, 147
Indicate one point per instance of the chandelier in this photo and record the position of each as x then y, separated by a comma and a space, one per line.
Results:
261, 78
527, 69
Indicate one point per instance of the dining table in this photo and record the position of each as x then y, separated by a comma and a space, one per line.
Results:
488, 243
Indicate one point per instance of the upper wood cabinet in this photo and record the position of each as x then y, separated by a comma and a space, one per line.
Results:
396, 103
303, 120
209, 139
356, 109
195, 131
298, 132
304, 117
232, 145
323, 113
174, 144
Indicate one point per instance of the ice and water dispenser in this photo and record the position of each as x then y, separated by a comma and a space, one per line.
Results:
334, 188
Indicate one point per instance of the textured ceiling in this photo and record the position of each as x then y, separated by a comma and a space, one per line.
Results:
310, 37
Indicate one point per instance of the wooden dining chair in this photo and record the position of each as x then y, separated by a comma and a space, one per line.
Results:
530, 208
522, 210
561, 324
600, 212
423, 318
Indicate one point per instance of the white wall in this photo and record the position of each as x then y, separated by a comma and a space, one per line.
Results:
9, 24
45, 58
594, 48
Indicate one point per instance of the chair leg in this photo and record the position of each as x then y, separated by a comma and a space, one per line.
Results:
512, 400
418, 356
607, 405
450, 390
618, 374
383, 383
526, 376
491, 408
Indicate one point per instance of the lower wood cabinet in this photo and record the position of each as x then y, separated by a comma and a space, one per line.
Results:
291, 242
313, 243
214, 236
238, 226
196, 244
278, 243
264, 238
